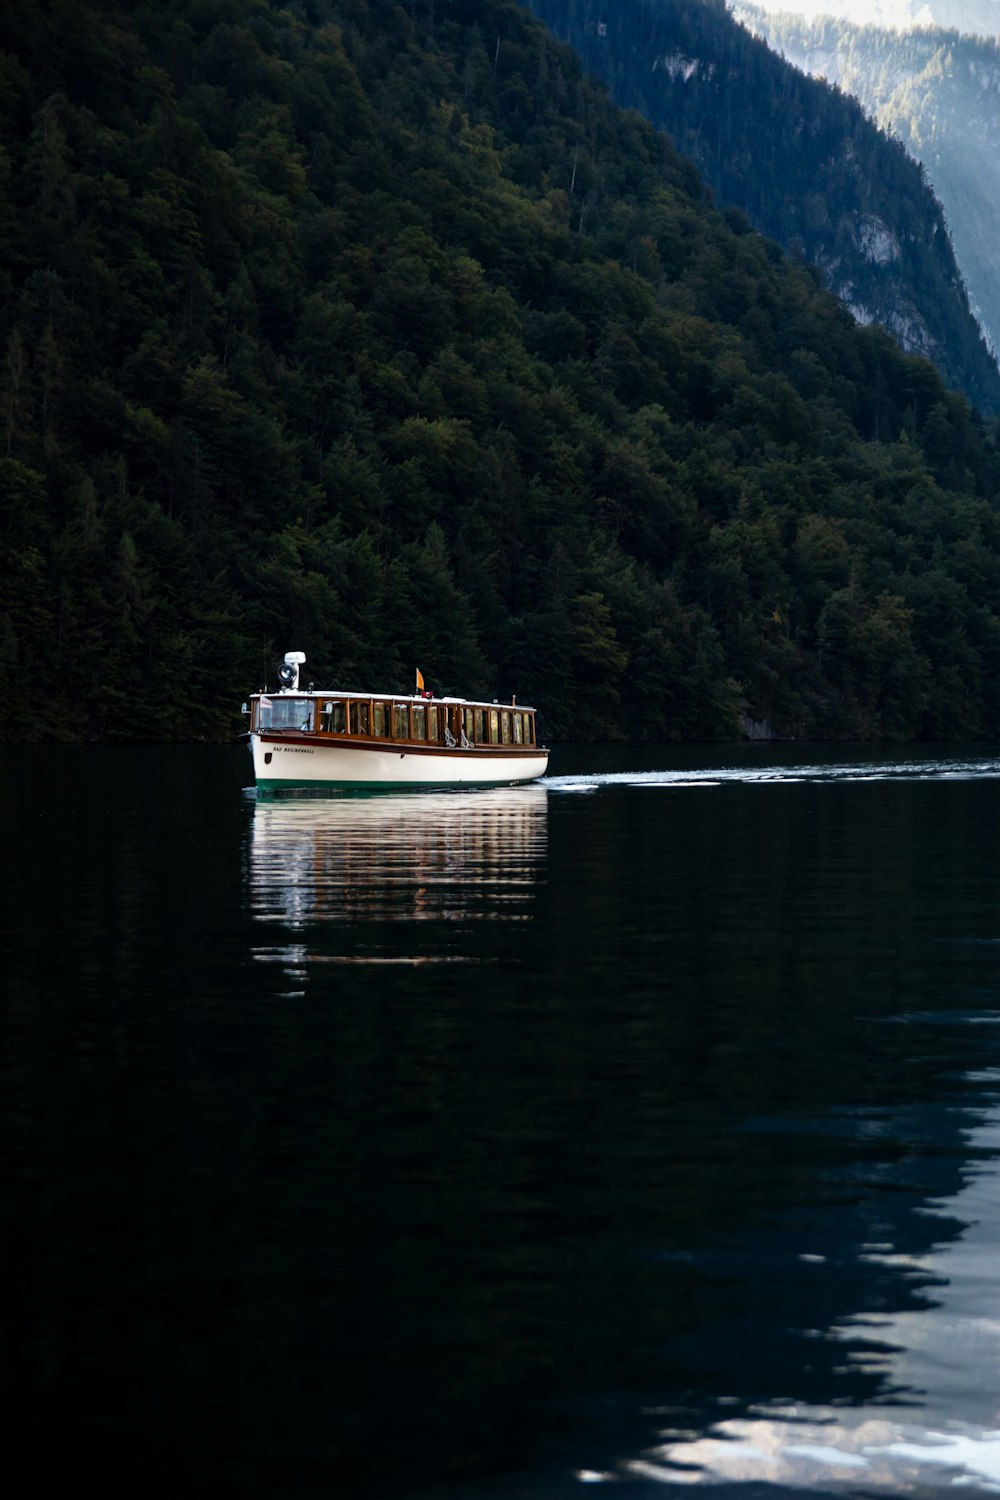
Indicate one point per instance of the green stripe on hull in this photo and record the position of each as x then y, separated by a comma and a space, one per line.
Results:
324, 788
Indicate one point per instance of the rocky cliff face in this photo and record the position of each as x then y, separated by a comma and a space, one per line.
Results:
872, 243
939, 93
800, 159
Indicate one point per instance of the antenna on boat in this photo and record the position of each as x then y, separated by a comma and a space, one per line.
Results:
288, 672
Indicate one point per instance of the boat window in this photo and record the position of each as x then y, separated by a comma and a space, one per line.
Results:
519, 729
433, 731
400, 721
382, 719
338, 716
505, 730
529, 729
286, 713
480, 726
470, 724
418, 715
360, 718
494, 726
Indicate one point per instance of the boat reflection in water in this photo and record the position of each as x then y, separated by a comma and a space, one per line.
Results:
348, 876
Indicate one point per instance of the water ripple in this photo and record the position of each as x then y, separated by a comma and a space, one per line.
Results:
886, 770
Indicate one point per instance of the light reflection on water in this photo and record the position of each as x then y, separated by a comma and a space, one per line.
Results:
941, 1423
371, 865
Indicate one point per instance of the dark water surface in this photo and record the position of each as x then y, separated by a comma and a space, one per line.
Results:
641, 1127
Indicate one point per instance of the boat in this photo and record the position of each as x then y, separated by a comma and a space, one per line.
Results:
305, 739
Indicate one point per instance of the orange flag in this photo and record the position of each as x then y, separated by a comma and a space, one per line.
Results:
420, 681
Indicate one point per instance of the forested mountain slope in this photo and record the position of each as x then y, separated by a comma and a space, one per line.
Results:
801, 160
939, 92
979, 17
383, 334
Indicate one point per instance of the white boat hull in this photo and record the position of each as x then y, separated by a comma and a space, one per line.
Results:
304, 761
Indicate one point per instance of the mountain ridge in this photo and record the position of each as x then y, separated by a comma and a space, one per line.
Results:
967, 17
939, 91
804, 163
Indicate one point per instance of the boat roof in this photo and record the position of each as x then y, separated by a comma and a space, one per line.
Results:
394, 697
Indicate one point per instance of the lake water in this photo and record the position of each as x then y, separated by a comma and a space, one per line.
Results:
639, 1128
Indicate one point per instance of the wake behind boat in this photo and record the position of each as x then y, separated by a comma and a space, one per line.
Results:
311, 739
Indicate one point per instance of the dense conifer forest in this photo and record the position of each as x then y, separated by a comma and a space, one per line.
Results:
378, 331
